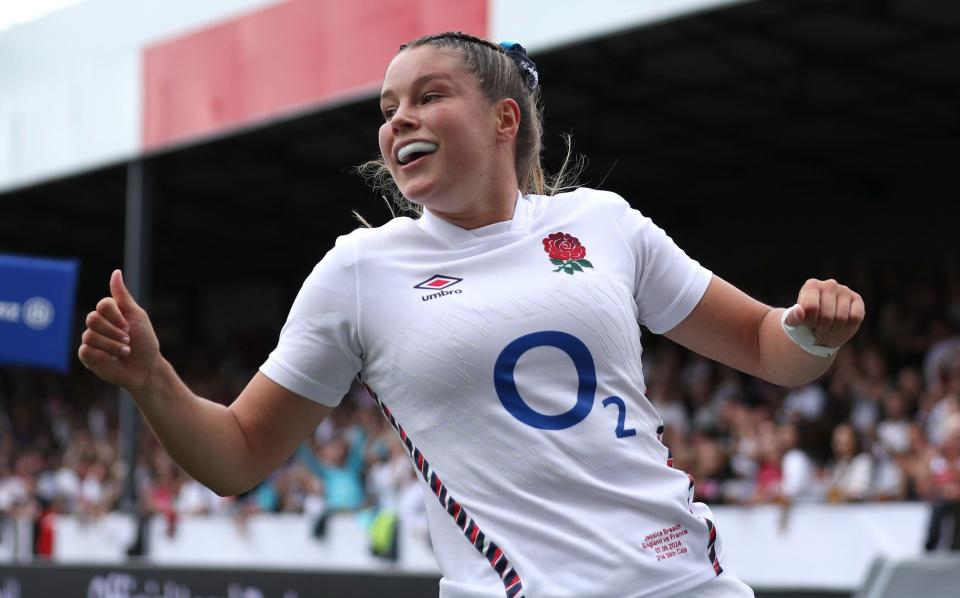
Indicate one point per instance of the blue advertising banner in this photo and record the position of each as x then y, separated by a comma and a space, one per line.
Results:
36, 311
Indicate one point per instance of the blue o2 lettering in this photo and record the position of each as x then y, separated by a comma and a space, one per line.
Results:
621, 417
506, 386
510, 397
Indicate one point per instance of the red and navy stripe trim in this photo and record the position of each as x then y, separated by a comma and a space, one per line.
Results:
711, 547
711, 528
483, 544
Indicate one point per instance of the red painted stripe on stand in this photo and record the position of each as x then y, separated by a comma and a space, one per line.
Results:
290, 56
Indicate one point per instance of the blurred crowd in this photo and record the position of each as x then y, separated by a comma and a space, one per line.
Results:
61, 456
882, 425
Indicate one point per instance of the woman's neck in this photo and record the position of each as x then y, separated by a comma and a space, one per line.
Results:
490, 209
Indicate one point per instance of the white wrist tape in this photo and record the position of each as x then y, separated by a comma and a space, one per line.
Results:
803, 336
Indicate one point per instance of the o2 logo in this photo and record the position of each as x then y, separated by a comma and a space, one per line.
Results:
506, 386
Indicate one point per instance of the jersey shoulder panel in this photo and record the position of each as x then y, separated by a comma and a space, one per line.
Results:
379, 235
593, 206
399, 235
581, 198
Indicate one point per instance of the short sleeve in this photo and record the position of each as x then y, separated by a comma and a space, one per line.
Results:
319, 350
668, 283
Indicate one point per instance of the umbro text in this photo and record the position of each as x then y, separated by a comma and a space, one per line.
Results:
440, 294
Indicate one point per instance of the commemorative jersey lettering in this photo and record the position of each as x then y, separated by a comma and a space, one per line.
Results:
523, 392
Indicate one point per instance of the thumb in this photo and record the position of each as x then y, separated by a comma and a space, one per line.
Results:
120, 293
795, 315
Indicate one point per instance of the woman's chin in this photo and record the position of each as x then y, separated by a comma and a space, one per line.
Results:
422, 195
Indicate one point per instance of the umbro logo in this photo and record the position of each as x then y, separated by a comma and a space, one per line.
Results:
439, 282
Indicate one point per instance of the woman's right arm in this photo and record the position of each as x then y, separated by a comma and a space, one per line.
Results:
228, 449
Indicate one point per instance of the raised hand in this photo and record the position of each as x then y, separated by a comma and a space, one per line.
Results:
119, 344
832, 311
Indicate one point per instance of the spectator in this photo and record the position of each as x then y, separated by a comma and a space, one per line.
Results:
302, 492
850, 470
914, 464
339, 464
97, 491
387, 473
910, 386
770, 470
867, 391
159, 485
799, 483
744, 449
711, 470
196, 499
944, 347
805, 403
944, 528
942, 408
893, 432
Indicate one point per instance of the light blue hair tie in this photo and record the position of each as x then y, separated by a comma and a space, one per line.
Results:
528, 68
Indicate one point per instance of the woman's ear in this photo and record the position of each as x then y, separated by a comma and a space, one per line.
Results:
508, 119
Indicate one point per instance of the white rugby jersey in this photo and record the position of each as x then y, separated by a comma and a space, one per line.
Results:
508, 360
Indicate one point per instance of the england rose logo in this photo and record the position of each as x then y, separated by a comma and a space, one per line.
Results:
566, 253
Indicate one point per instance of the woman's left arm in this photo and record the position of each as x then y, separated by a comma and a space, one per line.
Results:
731, 327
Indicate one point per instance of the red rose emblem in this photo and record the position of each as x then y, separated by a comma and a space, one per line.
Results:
566, 252
564, 246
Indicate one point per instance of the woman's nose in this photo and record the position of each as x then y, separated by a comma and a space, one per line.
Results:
404, 118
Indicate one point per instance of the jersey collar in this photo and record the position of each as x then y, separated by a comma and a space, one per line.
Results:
435, 225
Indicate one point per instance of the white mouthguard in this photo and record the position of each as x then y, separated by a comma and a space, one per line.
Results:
417, 147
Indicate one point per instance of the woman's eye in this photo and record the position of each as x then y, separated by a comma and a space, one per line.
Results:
388, 113
429, 97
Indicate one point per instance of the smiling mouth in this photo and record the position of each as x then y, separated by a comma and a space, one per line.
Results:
414, 151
